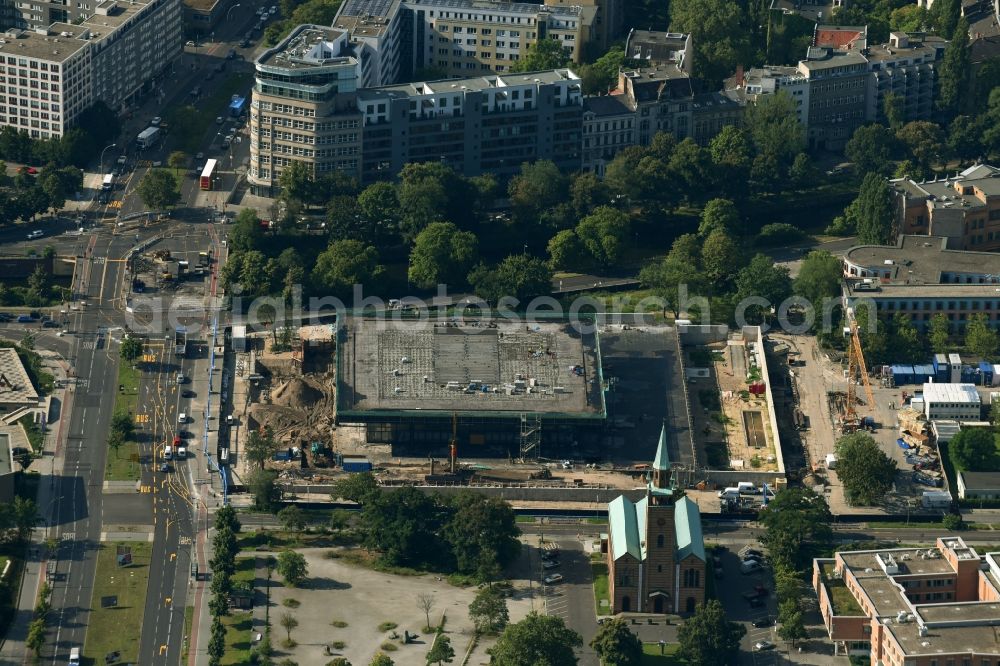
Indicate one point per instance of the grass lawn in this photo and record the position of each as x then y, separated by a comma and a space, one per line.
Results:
599, 570
525, 519
188, 623
123, 465
118, 628
841, 598
238, 638
244, 570
33, 432
651, 655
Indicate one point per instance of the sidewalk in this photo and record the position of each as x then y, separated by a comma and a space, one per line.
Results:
13, 650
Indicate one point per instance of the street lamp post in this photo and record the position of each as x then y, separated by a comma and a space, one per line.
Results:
231, 11
102, 156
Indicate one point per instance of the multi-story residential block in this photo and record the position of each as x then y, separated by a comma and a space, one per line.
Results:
662, 97
710, 112
485, 124
49, 75
608, 127
397, 39
655, 550
912, 606
921, 276
304, 108
843, 82
648, 48
964, 208
607, 24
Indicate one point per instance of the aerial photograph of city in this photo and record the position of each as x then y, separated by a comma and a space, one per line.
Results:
494, 332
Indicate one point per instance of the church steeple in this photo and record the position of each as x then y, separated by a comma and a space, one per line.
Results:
661, 463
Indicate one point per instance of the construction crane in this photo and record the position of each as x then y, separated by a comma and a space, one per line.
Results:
855, 365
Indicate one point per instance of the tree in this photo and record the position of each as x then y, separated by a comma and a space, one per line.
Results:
360, 488
866, 472
260, 446
707, 637
732, 154
721, 258
870, 148
924, 141
544, 54
519, 276
36, 636
488, 610
797, 523
980, 339
288, 623
482, 531
615, 644
894, 108
764, 279
719, 38
670, 277
296, 182
177, 160
158, 189
131, 348
602, 76
873, 211
819, 278
566, 252
246, 233
537, 639
442, 255
292, 518
790, 617
539, 186
945, 16
344, 264
425, 602
953, 76
974, 449
911, 18
938, 333
379, 204
381, 659
441, 651
774, 126
262, 484
292, 567
905, 341
217, 641
719, 215
122, 425
404, 527
604, 234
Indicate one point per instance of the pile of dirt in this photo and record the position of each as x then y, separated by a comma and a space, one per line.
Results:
278, 419
296, 393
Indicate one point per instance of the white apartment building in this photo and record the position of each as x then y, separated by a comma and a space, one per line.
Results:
49, 75
769, 80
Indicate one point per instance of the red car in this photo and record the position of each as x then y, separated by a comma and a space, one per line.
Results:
29, 170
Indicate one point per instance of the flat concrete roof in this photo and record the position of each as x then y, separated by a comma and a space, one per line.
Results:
488, 82
52, 48
959, 612
913, 564
978, 639
884, 594
460, 367
15, 385
305, 48
923, 260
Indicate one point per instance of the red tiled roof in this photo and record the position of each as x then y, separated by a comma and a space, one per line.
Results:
838, 39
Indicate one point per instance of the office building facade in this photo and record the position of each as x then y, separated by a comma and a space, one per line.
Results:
304, 108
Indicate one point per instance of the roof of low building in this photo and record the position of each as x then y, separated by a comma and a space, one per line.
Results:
980, 480
687, 528
922, 260
954, 393
607, 105
653, 46
625, 526
15, 385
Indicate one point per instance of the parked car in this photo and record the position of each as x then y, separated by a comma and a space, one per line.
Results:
552, 578
763, 622
763, 645
231, 55
219, 120
50, 324
927, 480
164, 467
244, 43
550, 564
37, 233
182, 418
5, 317
24, 319
274, 9
187, 393
155, 122
190, 43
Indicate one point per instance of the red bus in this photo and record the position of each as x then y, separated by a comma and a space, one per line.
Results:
207, 174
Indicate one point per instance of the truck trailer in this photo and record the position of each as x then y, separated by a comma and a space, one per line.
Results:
180, 341
148, 137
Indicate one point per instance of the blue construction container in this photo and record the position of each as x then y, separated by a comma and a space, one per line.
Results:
902, 374
970, 374
357, 464
941, 369
985, 373
923, 373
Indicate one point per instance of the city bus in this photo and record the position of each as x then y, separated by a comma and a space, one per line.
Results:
207, 174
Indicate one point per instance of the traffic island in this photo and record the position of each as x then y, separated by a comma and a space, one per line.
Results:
119, 601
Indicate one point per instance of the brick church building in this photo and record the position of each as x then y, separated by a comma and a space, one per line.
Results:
655, 550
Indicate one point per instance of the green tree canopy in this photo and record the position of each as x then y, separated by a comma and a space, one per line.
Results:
131, 348
980, 338
604, 233
292, 567
870, 148
764, 279
537, 639
717, 33
544, 54
441, 650
975, 449
519, 276
488, 610
442, 255
872, 211
615, 644
345, 263
775, 129
482, 533
158, 189
819, 278
719, 215
866, 472
708, 637
721, 258
953, 74
360, 488
797, 523
939, 333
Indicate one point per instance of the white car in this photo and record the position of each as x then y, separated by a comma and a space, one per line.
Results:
37, 233
182, 418
552, 578
763, 645
550, 564
155, 122
274, 9
219, 120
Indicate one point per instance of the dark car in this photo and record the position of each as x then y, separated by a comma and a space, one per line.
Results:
165, 467
244, 43
756, 602
231, 55
24, 319
50, 324
5, 317
187, 393
763, 622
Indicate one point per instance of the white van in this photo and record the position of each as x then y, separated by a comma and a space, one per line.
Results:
74, 657
168, 452
729, 493
182, 418
182, 453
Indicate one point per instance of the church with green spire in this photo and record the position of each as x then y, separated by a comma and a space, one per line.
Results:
655, 548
